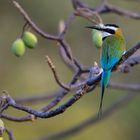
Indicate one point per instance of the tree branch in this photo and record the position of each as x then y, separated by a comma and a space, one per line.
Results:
9, 133
121, 102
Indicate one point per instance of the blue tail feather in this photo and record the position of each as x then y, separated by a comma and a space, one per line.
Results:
104, 83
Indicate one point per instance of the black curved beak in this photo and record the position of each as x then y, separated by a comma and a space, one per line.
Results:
95, 27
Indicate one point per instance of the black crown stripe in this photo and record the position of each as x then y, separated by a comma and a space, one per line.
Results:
112, 25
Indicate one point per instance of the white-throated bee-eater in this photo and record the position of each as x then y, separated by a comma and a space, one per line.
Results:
113, 47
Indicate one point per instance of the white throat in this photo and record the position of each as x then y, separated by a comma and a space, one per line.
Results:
105, 34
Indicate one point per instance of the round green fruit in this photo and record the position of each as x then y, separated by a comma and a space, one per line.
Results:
97, 38
1, 124
18, 47
30, 40
1, 128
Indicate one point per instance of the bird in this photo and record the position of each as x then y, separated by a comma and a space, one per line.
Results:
113, 48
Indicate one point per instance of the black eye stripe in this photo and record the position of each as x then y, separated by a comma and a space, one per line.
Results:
109, 31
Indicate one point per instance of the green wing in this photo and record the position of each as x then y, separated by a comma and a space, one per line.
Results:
112, 50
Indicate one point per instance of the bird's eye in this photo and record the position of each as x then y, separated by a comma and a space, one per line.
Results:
110, 31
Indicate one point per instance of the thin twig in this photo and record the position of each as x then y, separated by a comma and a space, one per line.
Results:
18, 119
124, 86
9, 133
104, 8
66, 25
32, 24
52, 66
38, 98
122, 12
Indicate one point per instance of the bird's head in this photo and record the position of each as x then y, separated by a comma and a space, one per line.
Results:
107, 30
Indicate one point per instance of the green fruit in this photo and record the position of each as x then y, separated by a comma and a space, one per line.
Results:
97, 38
1, 138
1, 124
18, 47
30, 40
1, 129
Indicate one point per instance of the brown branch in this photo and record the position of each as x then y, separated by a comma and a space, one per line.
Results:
45, 35
55, 101
122, 12
104, 8
32, 24
41, 98
87, 85
121, 102
9, 133
41, 114
78, 4
18, 119
125, 57
75, 98
52, 66
63, 93
66, 60
123, 86
132, 61
66, 24
38, 98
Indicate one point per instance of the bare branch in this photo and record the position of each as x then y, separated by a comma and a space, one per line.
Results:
121, 102
43, 114
66, 25
130, 62
86, 84
128, 54
52, 66
45, 35
9, 133
130, 87
18, 119
55, 101
32, 24
38, 98
66, 60
104, 8
122, 12
78, 4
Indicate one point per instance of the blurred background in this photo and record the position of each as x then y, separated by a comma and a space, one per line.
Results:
30, 75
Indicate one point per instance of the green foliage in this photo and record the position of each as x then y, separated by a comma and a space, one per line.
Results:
1, 124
